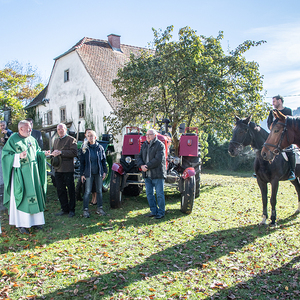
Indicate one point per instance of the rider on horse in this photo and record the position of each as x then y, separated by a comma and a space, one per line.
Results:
278, 104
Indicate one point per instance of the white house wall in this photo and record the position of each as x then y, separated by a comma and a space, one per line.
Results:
69, 94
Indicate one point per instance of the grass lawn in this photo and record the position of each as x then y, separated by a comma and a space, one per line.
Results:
217, 252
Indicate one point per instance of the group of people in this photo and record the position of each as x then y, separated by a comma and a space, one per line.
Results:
25, 174
25, 195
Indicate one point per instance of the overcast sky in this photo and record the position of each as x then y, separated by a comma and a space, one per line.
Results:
37, 31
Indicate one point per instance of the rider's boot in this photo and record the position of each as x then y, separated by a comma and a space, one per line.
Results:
292, 176
292, 161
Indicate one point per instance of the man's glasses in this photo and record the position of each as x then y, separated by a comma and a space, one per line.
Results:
149, 134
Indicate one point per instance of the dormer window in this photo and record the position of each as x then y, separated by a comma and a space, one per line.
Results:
66, 75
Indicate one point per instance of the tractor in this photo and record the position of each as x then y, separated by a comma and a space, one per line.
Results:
183, 171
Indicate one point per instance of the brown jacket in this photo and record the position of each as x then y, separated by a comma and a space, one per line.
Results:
68, 146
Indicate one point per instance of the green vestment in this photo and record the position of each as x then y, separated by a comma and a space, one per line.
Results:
30, 180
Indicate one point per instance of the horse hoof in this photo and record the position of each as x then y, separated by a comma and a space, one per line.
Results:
297, 212
273, 224
264, 220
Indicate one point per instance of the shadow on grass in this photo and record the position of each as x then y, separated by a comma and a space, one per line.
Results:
280, 283
59, 228
183, 257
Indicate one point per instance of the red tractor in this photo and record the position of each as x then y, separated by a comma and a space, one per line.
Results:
182, 171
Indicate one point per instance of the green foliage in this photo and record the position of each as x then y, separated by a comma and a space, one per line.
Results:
18, 85
37, 120
203, 142
190, 80
218, 157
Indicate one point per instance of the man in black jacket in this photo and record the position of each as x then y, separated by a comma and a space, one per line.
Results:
152, 161
278, 104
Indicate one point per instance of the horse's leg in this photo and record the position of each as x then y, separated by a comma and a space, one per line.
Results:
264, 196
297, 187
273, 200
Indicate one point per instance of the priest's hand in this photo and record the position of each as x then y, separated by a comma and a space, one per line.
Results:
47, 153
23, 154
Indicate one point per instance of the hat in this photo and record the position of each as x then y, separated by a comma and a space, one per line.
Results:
56, 162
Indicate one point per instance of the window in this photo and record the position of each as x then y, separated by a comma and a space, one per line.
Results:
45, 119
81, 110
48, 118
63, 114
66, 76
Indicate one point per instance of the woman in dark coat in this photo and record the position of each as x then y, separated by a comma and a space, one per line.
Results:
92, 169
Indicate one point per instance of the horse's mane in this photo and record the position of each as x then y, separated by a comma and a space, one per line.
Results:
259, 129
293, 122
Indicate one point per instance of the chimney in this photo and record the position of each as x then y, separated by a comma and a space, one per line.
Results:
114, 41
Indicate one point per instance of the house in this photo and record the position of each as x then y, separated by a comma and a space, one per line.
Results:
80, 91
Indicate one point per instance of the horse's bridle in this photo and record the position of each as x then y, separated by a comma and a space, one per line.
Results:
277, 148
241, 145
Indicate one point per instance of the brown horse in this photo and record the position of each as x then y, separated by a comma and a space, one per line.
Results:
285, 131
248, 133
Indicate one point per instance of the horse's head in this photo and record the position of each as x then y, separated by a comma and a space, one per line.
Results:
240, 136
277, 139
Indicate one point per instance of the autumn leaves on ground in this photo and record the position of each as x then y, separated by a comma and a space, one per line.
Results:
217, 252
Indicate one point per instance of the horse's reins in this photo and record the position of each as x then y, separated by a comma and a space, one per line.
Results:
277, 148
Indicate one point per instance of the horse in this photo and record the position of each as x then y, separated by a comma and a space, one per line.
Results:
285, 131
248, 133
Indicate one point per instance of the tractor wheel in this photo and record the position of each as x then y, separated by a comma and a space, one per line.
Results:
188, 195
115, 193
195, 162
106, 180
132, 189
79, 190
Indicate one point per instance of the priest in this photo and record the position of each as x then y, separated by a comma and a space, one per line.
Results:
25, 179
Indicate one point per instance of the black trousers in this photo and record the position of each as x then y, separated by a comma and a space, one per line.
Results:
292, 160
63, 182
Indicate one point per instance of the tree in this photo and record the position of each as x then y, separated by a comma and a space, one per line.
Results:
190, 80
18, 85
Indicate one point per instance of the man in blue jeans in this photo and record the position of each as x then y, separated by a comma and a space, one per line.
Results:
152, 161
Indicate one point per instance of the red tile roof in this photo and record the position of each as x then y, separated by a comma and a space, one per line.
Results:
102, 63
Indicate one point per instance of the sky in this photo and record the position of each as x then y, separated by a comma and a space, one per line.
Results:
37, 31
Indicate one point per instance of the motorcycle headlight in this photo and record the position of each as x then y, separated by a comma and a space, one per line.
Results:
128, 159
